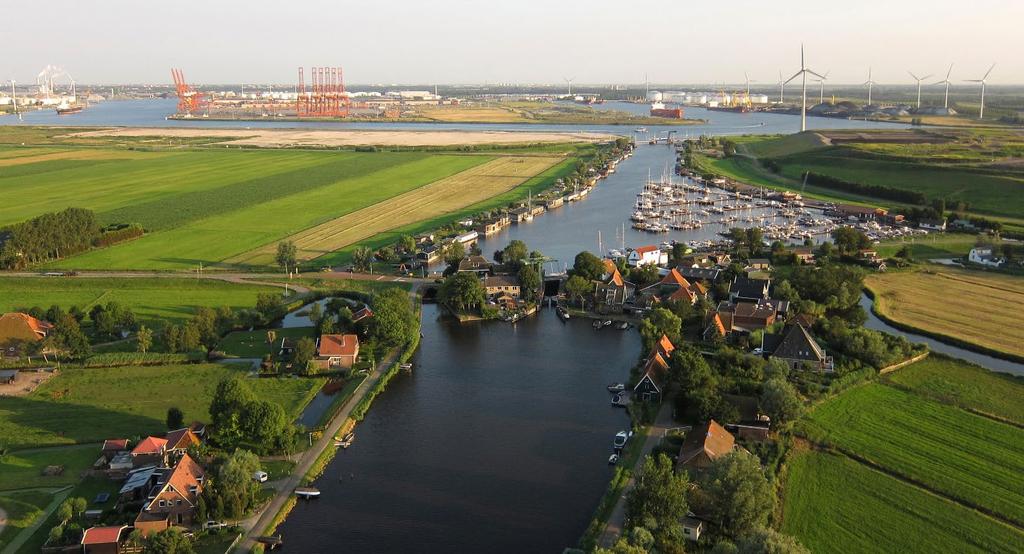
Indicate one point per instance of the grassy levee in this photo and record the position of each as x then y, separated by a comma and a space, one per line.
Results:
976, 310
216, 238
934, 245
965, 385
89, 405
834, 504
972, 459
155, 301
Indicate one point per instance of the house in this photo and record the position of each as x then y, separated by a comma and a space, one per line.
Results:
746, 316
646, 255
745, 289
932, 224
113, 447
363, 313
17, 328
651, 386
759, 264
797, 347
477, 265
664, 347
429, 254
468, 237
673, 286
506, 285
804, 253
862, 213
612, 292
172, 501
150, 451
703, 445
985, 257
104, 540
692, 528
487, 228
709, 274
180, 440
715, 329
752, 424
336, 351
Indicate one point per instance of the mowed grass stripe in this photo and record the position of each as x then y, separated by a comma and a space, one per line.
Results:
172, 211
141, 178
965, 456
980, 308
971, 387
219, 237
835, 504
444, 196
58, 155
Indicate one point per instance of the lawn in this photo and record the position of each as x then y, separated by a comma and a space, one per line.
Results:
975, 307
89, 405
834, 504
253, 344
155, 301
965, 456
88, 488
220, 236
440, 197
23, 508
956, 382
19, 470
933, 245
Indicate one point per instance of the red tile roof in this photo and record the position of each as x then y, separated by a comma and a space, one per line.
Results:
115, 444
665, 346
183, 477
362, 314
181, 439
338, 345
37, 326
673, 277
645, 249
102, 535
710, 439
150, 445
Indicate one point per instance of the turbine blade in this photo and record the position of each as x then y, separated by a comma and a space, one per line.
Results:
989, 71
949, 72
813, 73
795, 75
912, 75
928, 76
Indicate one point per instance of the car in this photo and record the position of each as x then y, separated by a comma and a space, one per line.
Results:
260, 476
621, 438
212, 524
758, 351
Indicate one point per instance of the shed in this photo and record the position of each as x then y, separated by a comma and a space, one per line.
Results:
7, 376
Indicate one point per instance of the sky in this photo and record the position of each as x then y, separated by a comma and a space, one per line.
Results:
521, 41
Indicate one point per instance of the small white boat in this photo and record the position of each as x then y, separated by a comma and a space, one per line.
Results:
606, 323
622, 325
616, 387
307, 492
613, 459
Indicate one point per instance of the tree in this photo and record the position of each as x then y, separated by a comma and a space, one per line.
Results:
578, 287
454, 253
462, 292
660, 321
305, 350
68, 337
735, 494
658, 500
781, 402
514, 253
315, 313
168, 541
588, 266
407, 244
394, 321
143, 339
644, 275
698, 384
362, 258
285, 256
205, 324
175, 418
679, 251
262, 423
230, 398
765, 540
849, 240
270, 306
530, 282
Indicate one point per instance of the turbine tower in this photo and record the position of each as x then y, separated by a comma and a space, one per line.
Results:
918, 79
569, 81
821, 81
981, 112
782, 89
945, 101
803, 88
869, 84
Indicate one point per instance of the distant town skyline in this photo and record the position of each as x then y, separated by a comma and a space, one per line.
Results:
524, 42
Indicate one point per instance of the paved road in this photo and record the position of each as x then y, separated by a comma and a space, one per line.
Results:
662, 422
268, 279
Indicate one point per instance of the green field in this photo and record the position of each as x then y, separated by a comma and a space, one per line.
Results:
253, 344
931, 246
966, 385
155, 301
89, 405
22, 510
20, 470
965, 456
834, 504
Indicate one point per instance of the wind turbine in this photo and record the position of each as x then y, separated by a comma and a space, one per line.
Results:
981, 112
821, 81
945, 102
782, 89
569, 81
918, 79
747, 79
803, 88
870, 84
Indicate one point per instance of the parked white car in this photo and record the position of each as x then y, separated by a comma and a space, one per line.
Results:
260, 476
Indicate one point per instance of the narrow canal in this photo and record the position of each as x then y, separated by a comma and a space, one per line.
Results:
497, 442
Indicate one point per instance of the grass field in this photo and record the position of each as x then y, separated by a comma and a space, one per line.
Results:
962, 455
975, 307
438, 198
834, 504
22, 510
94, 404
155, 301
966, 385
20, 470
934, 245
253, 344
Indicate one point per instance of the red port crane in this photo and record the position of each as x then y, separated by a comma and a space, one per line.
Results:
190, 101
326, 96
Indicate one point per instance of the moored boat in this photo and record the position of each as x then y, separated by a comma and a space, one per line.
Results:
307, 492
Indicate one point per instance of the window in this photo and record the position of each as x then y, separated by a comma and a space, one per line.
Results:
178, 502
161, 503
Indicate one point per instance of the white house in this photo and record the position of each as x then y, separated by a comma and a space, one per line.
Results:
645, 255
933, 224
692, 528
467, 238
984, 257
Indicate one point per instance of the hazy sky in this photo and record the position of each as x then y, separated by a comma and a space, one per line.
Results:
526, 41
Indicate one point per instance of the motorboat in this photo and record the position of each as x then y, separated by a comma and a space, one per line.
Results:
621, 438
307, 493
622, 325
616, 387
613, 459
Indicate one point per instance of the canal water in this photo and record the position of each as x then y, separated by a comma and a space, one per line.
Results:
497, 442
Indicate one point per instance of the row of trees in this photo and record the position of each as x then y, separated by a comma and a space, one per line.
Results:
239, 418
47, 237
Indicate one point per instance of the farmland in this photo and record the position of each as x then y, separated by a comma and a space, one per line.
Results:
834, 504
968, 386
435, 199
934, 245
975, 307
89, 405
966, 457
155, 301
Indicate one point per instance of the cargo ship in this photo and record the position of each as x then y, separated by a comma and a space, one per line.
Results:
658, 109
735, 109
67, 109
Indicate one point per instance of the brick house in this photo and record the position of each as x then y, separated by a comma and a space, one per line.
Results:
17, 329
336, 351
172, 501
105, 540
703, 445
150, 451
